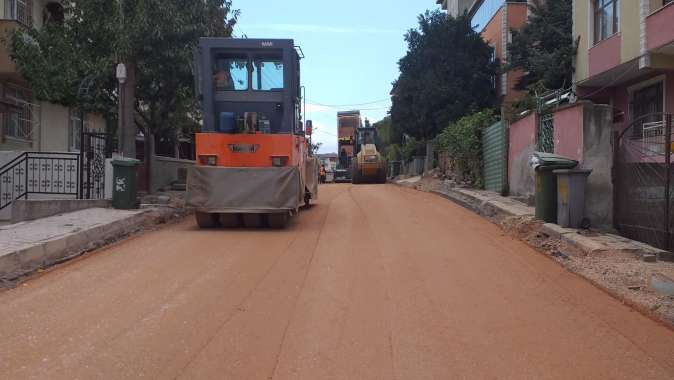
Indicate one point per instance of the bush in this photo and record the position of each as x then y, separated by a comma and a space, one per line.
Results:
393, 153
462, 141
413, 147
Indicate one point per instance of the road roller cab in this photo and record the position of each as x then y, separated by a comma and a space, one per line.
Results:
254, 164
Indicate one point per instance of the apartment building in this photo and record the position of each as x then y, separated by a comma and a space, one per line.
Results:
495, 19
626, 56
31, 125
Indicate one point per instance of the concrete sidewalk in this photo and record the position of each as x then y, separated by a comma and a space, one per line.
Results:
29, 246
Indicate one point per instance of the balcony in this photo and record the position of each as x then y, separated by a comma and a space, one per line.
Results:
660, 30
7, 65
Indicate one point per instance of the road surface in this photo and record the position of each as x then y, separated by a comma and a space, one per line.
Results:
374, 282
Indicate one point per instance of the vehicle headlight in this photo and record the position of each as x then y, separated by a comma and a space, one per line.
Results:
279, 161
208, 160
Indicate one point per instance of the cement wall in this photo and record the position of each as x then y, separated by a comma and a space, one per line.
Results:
166, 170
522, 137
23, 210
598, 156
54, 131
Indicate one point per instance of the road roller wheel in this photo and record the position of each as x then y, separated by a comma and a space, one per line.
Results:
229, 220
206, 220
252, 220
278, 220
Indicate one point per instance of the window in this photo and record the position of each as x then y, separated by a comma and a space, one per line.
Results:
486, 11
19, 123
268, 75
19, 10
606, 19
646, 107
230, 74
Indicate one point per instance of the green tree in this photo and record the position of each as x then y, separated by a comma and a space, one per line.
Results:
544, 47
389, 139
72, 63
446, 73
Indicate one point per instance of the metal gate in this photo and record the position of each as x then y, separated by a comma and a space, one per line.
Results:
493, 153
546, 133
643, 181
96, 147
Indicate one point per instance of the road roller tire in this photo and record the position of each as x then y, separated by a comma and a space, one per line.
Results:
381, 176
206, 220
228, 220
278, 220
252, 220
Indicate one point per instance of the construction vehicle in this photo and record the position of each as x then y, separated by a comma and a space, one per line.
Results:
368, 165
347, 123
254, 164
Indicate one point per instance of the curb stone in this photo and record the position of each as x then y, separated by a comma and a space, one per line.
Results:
25, 260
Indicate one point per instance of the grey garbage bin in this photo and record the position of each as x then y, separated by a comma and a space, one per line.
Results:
571, 196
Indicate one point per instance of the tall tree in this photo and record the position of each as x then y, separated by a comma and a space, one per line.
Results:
72, 63
544, 48
446, 73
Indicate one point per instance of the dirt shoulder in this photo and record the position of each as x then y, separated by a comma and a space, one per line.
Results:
633, 275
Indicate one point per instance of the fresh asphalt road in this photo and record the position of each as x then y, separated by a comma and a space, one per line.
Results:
373, 282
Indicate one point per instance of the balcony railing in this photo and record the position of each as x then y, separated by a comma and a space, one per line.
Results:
19, 10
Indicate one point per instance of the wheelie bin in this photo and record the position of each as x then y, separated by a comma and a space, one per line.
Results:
571, 197
546, 183
124, 184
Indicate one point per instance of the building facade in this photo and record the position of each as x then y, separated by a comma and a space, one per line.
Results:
626, 56
32, 125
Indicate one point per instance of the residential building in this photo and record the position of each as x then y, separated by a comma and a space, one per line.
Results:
625, 55
617, 121
32, 125
625, 60
495, 20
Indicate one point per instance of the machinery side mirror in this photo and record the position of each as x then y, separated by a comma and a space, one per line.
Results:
309, 128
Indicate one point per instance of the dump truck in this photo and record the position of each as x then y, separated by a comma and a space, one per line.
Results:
347, 123
367, 164
254, 164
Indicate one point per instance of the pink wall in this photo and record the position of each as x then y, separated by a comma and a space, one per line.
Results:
605, 55
660, 27
522, 136
569, 132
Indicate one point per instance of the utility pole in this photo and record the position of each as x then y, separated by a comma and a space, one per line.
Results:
127, 86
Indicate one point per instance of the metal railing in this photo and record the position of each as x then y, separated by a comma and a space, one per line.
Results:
49, 173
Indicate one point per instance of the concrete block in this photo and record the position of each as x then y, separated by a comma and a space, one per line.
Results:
55, 249
555, 231
31, 257
585, 244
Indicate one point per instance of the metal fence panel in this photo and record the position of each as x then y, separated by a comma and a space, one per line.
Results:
494, 150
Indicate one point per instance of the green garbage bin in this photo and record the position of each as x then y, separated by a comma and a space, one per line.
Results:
124, 184
546, 183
